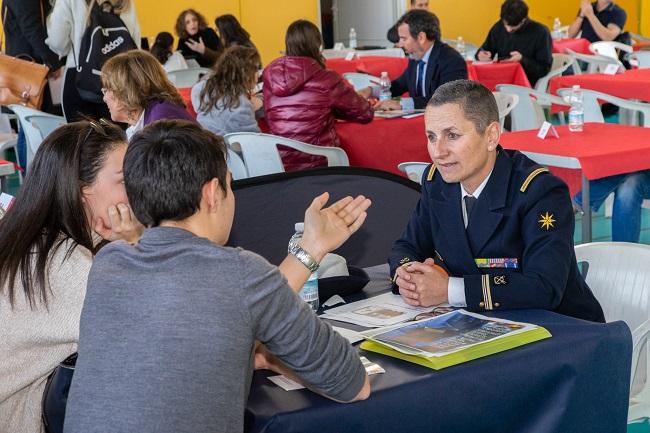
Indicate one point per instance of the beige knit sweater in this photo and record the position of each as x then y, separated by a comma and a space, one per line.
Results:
33, 342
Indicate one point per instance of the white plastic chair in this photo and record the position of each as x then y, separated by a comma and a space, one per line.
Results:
528, 113
561, 62
594, 114
236, 165
505, 103
43, 123
609, 48
8, 141
618, 275
260, 152
413, 170
359, 80
641, 58
187, 77
595, 63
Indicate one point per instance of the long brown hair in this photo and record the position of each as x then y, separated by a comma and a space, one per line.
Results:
304, 39
234, 75
180, 22
136, 78
231, 32
48, 209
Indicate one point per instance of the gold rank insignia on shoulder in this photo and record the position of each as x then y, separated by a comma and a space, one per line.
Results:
432, 172
531, 176
546, 221
404, 260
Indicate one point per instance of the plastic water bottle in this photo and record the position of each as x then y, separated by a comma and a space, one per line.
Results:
309, 292
577, 112
384, 87
460, 46
557, 29
353, 39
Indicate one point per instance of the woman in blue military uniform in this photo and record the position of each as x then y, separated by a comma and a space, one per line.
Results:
500, 226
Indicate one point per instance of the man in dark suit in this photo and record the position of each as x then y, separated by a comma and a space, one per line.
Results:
492, 230
431, 64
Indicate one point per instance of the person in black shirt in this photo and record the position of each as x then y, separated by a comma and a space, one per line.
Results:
197, 40
517, 38
601, 20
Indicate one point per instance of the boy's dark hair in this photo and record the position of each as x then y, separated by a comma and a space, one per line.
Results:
513, 12
420, 20
476, 101
166, 166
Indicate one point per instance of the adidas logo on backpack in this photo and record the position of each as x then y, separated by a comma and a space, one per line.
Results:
112, 45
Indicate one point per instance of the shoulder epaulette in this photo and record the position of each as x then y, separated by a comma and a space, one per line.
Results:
532, 176
432, 172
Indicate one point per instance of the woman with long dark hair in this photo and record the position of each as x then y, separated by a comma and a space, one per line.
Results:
302, 99
73, 196
225, 102
231, 32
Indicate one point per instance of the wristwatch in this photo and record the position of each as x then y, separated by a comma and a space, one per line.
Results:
304, 257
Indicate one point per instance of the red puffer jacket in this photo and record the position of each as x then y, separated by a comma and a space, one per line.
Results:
301, 102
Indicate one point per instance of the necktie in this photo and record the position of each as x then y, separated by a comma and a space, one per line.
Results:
469, 204
420, 79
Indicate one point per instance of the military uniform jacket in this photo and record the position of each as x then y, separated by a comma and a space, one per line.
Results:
523, 220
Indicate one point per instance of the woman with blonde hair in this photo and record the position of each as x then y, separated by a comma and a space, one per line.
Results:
66, 25
138, 92
224, 102
196, 40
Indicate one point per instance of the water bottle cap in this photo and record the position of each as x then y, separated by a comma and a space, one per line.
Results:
384, 74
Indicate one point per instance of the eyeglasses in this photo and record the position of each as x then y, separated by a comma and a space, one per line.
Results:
438, 311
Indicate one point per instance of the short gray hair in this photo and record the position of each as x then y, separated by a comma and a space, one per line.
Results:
476, 101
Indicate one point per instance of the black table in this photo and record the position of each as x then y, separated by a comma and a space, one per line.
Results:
576, 381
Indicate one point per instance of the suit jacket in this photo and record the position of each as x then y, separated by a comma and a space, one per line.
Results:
445, 64
524, 213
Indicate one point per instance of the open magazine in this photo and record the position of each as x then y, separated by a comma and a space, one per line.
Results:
451, 338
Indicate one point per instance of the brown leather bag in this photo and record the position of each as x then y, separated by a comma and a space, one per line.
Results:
21, 81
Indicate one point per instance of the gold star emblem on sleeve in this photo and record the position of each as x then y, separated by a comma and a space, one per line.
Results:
546, 221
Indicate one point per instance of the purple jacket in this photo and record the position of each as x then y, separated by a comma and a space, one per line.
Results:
158, 110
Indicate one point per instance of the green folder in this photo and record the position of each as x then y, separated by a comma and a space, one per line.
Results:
474, 352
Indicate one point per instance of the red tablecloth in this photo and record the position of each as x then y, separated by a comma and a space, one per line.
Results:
491, 74
186, 94
603, 149
373, 65
641, 44
632, 84
580, 45
384, 143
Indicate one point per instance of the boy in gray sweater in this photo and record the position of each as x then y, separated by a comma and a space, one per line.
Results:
169, 326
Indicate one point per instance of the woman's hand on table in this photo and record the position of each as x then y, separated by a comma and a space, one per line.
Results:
388, 105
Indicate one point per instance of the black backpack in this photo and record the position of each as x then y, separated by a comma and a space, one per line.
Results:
105, 36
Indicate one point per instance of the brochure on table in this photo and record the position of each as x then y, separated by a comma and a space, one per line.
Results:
383, 310
451, 338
